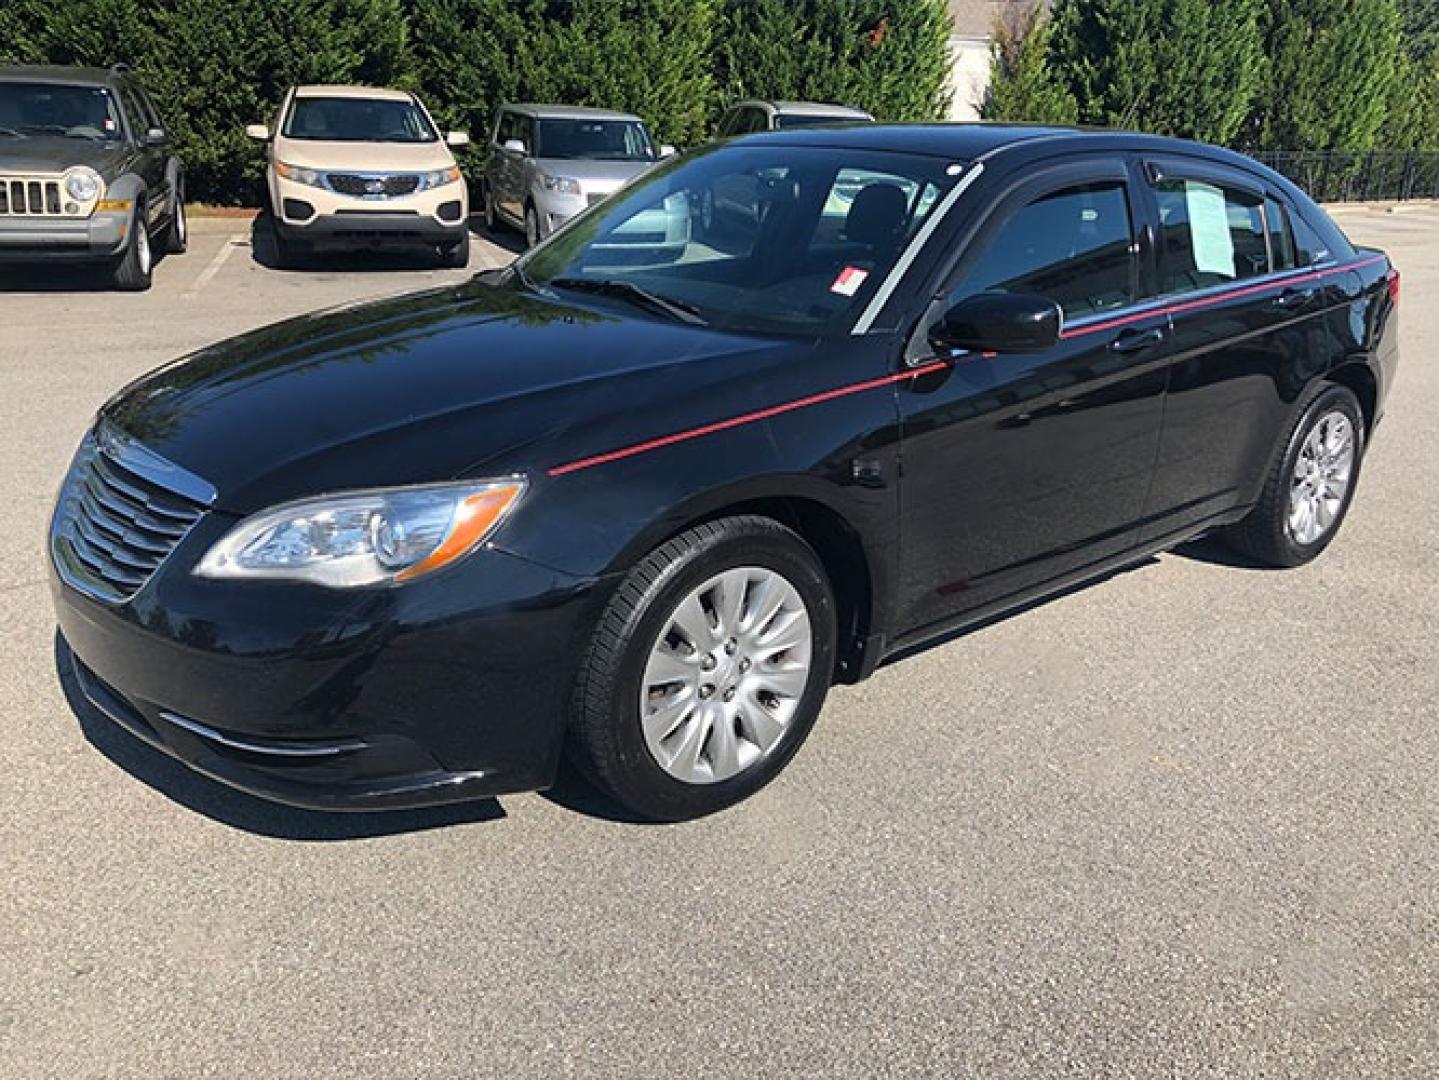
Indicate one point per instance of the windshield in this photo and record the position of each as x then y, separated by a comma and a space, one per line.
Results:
767, 238
599, 140
341, 119
81, 112
803, 120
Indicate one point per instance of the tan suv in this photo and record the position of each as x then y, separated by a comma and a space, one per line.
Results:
353, 167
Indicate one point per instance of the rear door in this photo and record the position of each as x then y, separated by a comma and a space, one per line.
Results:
1248, 331
1020, 469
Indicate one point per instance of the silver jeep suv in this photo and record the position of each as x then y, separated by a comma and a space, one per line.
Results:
546, 163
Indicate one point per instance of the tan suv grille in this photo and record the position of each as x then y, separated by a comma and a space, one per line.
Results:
32, 197
373, 187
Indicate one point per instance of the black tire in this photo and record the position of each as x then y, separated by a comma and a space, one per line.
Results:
132, 271
289, 255
176, 237
1264, 534
456, 256
606, 741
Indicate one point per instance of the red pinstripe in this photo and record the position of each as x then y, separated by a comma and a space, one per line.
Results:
926, 369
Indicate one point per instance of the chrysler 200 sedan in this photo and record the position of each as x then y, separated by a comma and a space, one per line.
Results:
647, 513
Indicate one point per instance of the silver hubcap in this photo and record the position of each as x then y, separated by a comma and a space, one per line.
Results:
1321, 478
180, 225
726, 675
532, 229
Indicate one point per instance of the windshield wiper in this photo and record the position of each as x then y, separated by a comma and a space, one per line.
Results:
640, 297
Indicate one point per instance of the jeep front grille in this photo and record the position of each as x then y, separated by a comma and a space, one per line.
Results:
30, 196
121, 511
373, 187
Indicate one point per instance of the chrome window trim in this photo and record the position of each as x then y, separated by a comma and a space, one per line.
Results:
876, 304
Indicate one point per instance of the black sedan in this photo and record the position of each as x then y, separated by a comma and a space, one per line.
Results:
646, 506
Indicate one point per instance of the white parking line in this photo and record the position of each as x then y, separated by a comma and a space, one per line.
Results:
208, 274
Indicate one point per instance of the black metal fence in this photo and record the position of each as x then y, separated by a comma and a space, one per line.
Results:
1368, 176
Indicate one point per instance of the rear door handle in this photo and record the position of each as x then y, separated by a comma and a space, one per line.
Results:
1136, 340
1293, 298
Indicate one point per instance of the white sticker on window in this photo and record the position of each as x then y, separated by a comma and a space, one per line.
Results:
1209, 229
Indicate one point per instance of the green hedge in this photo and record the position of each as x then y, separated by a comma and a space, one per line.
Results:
216, 65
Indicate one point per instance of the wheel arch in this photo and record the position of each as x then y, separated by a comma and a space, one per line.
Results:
1358, 377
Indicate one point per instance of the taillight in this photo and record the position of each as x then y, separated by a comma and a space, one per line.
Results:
1392, 280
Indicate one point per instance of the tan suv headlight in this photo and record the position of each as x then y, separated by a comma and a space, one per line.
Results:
439, 178
300, 175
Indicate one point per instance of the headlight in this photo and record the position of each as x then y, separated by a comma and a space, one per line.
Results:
82, 185
300, 175
364, 538
439, 178
563, 184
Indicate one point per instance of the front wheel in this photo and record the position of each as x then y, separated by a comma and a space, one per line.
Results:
1309, 487
707, 670
132, 271
532, 227
456, 256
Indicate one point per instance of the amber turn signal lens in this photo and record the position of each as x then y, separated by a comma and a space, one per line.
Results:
111, 205
474, 520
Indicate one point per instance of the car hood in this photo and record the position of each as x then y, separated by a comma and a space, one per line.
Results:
53, 154
594, 175
480, 380
363, 156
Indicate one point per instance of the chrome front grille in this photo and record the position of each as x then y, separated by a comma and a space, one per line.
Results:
31, 196
373, 187
121, 511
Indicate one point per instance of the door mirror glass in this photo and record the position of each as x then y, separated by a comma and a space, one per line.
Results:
514, 146
457, 138
258, 132
998, 322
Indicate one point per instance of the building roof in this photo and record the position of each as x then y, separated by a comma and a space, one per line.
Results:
374, 93
568, 112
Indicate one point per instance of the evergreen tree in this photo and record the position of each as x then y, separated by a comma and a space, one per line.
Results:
1178, 67
1023, 84
1332, 71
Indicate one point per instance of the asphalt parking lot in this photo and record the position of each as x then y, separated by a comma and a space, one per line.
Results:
1183, 822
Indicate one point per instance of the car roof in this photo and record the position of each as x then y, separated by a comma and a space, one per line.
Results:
807, 108
375, 93
568, 112
968, 141
58, 73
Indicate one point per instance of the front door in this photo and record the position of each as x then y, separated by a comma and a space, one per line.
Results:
1018, 469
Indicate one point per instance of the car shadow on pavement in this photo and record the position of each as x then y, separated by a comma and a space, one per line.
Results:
58, 278
237, 809
1213, 550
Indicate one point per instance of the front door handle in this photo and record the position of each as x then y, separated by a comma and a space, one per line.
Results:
1293, 298
1136, 340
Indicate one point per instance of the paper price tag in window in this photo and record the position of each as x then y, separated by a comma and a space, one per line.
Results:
849, 281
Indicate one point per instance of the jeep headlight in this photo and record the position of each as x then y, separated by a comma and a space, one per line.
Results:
82, 184
384, 536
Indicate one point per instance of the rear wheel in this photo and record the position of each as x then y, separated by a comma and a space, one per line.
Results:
707, 670
1310, 486
132, 271
177, 232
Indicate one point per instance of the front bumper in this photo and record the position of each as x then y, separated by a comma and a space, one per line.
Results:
436, 692
42, 239
320, 218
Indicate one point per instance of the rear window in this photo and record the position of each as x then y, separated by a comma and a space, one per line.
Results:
785, 121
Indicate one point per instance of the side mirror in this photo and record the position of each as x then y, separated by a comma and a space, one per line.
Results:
666, 150
458, 138
258, 132
998, 322
156, 137
514, 146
